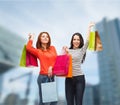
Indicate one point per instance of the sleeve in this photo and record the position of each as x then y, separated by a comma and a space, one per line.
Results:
54, 50
55, 55
84, 48
31, 49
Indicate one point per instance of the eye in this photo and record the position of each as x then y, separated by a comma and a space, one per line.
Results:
43, 36
47, 36
74, 39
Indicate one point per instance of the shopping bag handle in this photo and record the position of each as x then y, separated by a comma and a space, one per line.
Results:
50, 79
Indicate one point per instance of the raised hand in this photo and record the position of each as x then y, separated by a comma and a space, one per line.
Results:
31, 36
91, 24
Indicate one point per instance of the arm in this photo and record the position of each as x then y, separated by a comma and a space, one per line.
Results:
84, 48
29, 46
65, 50
50, 69
54, 50
91, 24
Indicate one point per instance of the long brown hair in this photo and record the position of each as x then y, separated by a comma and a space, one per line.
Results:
81, 43
39, 43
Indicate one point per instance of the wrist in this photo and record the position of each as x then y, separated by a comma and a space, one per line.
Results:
51, 67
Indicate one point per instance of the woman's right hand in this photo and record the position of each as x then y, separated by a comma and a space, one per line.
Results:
31, 36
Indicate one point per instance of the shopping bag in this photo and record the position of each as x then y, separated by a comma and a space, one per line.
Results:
23, 57
61, 65
69, 75
31, 60
95, 43
27, 59
98, 43
91, 45
49, 92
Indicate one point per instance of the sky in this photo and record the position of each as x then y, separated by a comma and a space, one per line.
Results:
60, 18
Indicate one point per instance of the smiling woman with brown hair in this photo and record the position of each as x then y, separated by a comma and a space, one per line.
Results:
47, 57
75, 86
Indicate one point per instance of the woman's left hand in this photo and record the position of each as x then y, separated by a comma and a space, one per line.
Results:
91, 24
50, 71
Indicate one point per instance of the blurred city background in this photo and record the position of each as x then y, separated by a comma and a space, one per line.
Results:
18, 85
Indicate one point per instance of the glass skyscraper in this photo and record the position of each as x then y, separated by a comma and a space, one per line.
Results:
109, 62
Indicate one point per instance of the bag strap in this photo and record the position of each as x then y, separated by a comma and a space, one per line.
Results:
50, 79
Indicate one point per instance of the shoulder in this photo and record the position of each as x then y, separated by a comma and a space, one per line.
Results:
52, 47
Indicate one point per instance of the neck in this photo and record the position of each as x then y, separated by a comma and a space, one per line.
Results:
44, 46
75, 47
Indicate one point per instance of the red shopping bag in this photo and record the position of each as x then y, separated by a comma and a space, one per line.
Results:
27, 59
31, 60
61, 65
69, 75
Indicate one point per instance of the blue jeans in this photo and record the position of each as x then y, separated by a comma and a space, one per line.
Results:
74, 89
43, 79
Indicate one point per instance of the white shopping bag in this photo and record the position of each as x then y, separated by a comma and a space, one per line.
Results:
49, 92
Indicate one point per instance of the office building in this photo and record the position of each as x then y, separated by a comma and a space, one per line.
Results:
109, 61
